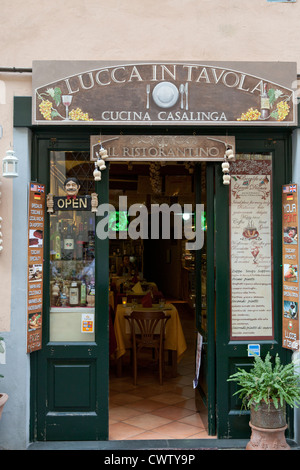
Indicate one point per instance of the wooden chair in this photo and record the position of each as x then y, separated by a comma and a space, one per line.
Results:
148, 331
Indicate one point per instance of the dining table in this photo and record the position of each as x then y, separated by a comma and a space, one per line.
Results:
175, 342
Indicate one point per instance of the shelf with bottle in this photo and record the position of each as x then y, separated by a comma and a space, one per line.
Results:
187, 257
119, 248
72, 291
72, 237
72, 253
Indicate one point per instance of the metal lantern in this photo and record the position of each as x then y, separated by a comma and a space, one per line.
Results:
10, 165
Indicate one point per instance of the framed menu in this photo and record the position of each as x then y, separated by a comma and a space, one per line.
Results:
290, 263
35, 266
251, 247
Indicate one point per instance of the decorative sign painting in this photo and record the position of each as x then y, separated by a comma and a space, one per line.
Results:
290, 263
220, 93
162, 147
251, 248
35, 266
72, 200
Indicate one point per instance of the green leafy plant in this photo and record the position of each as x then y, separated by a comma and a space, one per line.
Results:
267, 383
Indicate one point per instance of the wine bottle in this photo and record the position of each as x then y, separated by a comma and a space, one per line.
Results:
57, 242
265, 103
73, 294
79, 243
69, 244
83, 293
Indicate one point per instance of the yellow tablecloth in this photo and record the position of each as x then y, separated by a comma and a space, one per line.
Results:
174, 340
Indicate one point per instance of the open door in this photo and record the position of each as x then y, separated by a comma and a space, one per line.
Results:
246, 314
70, 372
205, 296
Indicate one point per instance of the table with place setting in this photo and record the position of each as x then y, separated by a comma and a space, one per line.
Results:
174, 338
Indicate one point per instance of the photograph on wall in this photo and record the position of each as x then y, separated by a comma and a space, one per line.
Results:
290, 273
36, 209
290, 278
290, 309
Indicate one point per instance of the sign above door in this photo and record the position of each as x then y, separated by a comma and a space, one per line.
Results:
168, 93
161, 147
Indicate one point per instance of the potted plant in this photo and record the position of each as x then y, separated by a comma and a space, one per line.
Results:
3, 396
265, 390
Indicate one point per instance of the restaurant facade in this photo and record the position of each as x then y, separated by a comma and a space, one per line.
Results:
102, 146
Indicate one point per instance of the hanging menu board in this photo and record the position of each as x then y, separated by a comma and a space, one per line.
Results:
251, 248
35, 266
290, 319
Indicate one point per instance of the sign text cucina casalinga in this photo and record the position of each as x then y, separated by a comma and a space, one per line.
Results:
157, 93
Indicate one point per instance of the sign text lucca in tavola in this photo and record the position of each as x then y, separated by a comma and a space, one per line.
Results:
163, 93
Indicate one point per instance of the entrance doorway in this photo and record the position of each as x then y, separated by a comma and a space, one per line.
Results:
163, 268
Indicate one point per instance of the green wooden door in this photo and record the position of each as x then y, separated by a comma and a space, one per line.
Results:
232, 353
70, 376
205, 298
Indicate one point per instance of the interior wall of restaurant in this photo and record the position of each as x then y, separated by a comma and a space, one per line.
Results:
162, 264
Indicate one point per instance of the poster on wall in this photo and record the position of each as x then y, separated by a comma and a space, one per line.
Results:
35, 266
290, 262
251, 248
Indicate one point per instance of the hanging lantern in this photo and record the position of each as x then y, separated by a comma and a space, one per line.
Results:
229, 154
103, 153
101, 164
225, 167
226, 179
10, 165
97, 173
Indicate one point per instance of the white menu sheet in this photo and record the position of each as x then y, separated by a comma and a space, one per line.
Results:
251, 248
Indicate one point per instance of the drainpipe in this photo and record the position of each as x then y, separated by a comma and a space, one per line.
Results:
15, 70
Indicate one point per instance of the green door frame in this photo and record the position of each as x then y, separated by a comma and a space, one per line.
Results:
47, 424
208, 356
227, 354
231, 421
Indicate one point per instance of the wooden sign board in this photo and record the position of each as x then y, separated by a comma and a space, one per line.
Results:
36, 219
290, 268
168, 93
162, 147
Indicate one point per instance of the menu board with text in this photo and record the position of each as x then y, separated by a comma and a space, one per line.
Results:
290, 281
251, 248
35, 266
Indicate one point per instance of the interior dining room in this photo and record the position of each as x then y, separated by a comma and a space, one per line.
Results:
151, 274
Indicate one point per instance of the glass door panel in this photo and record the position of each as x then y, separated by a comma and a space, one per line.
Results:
72, 251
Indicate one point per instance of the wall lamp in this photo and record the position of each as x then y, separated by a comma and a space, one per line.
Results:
10, 165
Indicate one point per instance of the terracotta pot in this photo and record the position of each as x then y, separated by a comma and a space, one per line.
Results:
267, 439
267, 416
3, 400
268, 425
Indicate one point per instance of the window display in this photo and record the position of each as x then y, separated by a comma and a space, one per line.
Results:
72, 248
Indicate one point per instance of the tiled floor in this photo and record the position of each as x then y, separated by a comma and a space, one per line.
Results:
152, 411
